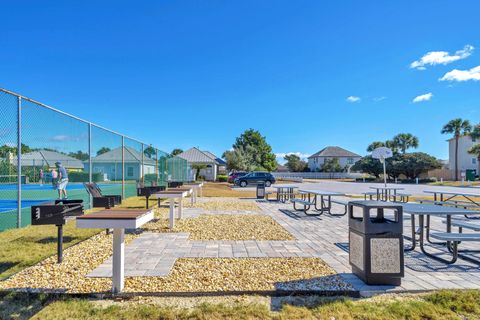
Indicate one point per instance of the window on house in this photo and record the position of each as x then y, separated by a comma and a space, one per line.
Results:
129, 171
474, 160
350, 160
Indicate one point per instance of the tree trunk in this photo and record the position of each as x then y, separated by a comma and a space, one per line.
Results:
456, 157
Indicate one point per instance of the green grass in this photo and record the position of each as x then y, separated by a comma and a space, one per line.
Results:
24, 247
446, 304
21, 248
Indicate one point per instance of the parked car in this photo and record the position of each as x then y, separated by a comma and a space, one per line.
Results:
234, 175
255, 178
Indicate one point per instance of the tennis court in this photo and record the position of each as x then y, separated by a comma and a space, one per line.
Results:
11, 205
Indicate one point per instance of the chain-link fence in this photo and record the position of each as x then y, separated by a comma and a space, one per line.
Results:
88, 152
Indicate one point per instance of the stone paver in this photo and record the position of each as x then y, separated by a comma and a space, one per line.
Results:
325, 237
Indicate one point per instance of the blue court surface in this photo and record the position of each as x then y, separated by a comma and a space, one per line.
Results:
70, 186
9, 205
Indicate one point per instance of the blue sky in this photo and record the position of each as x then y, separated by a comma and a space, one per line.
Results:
198, 73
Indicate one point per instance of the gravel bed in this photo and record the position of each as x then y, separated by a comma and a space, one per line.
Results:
225, 227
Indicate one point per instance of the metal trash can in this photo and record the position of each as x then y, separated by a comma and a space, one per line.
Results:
470, 175
376, 242
261, 190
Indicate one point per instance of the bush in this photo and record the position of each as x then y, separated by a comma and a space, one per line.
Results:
367, 179
222, 178
426, 180
149, 177
81, 176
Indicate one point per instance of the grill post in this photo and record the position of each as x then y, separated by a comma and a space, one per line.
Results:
60, 243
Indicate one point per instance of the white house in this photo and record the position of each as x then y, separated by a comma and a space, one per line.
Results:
346, 158
213, 164
109, 164
465, 160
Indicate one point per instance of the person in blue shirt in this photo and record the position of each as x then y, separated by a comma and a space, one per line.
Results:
62, 181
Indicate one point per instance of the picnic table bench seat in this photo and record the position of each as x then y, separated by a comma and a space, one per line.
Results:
342, 203
464, 224
404, 197
370, 194
455, 239
306, 204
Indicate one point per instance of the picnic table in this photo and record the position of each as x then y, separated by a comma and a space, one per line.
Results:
284, 191
444, 196
385, 193
197, 189
422, 210
119, 220
173, 194
308, 193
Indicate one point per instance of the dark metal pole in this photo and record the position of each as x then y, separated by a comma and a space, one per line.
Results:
60, 244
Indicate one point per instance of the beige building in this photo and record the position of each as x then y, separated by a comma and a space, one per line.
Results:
346, 158
465, 160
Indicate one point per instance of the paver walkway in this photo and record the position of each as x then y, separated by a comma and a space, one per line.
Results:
325, 237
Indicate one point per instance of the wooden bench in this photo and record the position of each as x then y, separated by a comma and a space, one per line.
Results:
455, 239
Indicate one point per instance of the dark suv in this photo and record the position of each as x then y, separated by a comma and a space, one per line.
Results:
255, 178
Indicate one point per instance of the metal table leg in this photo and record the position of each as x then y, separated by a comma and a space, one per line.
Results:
172, 213
118, 260
422, 247
414, 239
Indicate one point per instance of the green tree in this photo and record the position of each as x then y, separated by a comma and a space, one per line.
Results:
150, 152
475, 150
368, 165
331, 165
457, 127
197, 168
374, 145
404, 141
176, 151
103, 150
294, 163
251, 151
414, 164
475, 134
83, 156
6, 149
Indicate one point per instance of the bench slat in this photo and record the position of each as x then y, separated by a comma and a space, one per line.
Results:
446, 236
304, 202
465, 224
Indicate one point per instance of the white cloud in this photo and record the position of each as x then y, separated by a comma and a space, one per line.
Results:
441, 57
378, 99
462, 75
353, 99
423, 97
280, 156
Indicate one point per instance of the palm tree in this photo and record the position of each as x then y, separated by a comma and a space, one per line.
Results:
475, 134
457, 127
405, 141
392, 144
374, 145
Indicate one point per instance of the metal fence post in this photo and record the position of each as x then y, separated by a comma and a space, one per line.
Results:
90, 166
19, 162
123, 167
156, 165
142, 173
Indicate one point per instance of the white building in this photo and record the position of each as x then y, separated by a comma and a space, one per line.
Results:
465, 160
213, 165
346, 158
